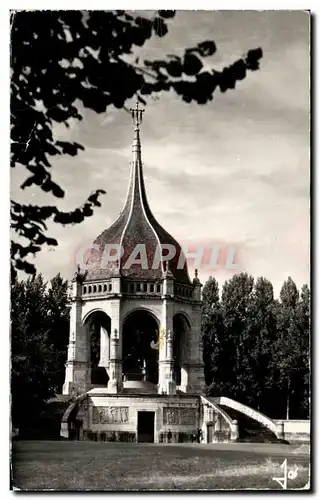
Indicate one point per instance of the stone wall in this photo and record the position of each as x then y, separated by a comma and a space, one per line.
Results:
295, 430
106, 415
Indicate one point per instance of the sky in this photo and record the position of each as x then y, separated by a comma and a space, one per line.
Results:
234, 171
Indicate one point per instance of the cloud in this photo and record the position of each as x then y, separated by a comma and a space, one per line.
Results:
236, 169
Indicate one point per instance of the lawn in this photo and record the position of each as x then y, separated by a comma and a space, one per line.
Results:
86, 465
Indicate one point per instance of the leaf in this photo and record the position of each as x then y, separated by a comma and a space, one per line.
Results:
191, 64
167, 14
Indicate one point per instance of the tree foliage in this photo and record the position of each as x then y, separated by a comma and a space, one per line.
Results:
291, 348
212, 335
64, 60
39, 338
256, 348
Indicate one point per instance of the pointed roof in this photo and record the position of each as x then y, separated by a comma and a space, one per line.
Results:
136, 229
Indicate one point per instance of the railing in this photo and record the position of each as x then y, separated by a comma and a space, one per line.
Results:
97, 289
135, 287
183, 291
142, 288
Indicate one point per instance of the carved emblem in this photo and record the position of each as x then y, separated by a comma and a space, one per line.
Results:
110, 414
179, 416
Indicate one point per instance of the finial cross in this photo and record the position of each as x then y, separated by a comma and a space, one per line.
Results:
137, 115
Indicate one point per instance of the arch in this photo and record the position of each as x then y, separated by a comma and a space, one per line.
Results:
142, 308
90, 313
64, 428
97, 325
140, 333
181, 312
246, 410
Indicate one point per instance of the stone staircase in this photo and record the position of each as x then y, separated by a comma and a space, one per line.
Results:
250, 430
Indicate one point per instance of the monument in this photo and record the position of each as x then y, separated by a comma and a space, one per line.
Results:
136, 298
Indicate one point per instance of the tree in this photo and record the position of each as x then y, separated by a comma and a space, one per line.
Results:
291, 352
257, 349
303, 320
261, 325
212, 337
39, 336
235, 301
58, 324
61, 59
32, 371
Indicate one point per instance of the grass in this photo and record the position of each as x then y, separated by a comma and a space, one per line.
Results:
72, 465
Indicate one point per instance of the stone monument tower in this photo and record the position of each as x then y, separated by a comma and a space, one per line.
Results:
136, 286
134, 370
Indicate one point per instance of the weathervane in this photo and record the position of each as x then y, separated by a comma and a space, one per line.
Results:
137, 115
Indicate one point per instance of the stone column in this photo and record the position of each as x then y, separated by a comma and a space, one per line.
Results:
192, 372
166, 384
77, 378
234, 430
170, 383
115, 365
115, 383
280, 430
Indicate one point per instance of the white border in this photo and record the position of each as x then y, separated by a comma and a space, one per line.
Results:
4, 184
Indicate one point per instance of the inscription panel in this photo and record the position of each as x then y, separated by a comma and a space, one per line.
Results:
179, 416
110, 414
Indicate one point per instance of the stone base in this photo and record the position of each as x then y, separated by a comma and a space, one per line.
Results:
102, 416
139, 414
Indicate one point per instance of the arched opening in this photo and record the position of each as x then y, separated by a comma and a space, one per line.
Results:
99, 326
180, 334
139, 348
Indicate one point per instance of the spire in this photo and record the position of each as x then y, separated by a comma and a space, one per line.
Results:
137, 225
136, 114
136, 198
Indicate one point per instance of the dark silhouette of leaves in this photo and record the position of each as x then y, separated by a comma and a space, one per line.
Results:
62, 58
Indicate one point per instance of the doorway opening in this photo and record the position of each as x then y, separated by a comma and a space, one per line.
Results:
98, 326
140, 347
209, 433
146, 426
